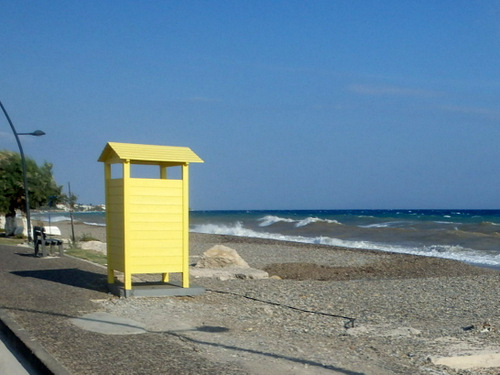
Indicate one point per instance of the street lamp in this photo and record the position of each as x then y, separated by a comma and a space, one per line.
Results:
36, 133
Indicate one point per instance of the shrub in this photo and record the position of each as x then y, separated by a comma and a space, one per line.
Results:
86, 237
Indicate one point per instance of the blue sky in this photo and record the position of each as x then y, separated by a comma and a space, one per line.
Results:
292, 104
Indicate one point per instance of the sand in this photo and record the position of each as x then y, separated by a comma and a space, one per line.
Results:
80, 230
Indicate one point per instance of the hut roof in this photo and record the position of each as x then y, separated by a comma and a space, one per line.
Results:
149, 154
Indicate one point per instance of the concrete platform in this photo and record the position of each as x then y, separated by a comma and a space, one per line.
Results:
155, 290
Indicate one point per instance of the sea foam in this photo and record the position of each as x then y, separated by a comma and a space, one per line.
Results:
312, 220
52, 219
271, 219
454, 252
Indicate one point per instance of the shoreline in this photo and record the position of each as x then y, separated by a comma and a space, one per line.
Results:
99, 233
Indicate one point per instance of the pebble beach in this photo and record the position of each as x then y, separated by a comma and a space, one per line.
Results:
329, 310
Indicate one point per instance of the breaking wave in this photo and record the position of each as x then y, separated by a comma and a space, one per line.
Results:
454, 252
271, 219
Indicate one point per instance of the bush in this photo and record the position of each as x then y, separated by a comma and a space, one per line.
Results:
86, 237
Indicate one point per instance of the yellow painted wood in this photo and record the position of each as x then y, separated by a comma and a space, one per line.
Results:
154, 269
147, 219
147, 154
185, 248
114, 226
163, 171
109, 239
159, 261
127, 275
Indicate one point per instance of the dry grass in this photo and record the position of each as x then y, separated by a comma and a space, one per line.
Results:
92, 256
11, 241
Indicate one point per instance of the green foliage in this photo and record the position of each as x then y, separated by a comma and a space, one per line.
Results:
71, 200
41, 183
87, 237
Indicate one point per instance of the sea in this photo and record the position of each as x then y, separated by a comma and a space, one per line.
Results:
471, 236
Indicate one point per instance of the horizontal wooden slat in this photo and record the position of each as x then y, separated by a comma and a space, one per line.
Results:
153, 249
154, 269
151, 182
164, 219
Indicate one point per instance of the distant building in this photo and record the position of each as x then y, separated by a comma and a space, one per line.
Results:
90, 207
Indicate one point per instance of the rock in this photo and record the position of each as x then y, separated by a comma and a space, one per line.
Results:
224, 263
221, 256
487, 327
15, 225
94, 245
229, 273
251, 274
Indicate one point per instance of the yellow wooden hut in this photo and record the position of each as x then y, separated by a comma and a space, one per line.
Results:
147, 219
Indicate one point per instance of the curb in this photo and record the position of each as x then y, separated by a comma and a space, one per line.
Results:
29, 348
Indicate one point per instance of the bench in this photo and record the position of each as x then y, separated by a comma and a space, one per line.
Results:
40, 239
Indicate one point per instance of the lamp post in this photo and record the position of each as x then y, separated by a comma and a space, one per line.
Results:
36, 133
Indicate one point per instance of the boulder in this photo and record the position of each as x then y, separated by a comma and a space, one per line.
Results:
223, 263
221, 256
15, 225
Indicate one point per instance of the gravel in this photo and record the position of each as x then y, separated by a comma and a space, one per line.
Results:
334, 311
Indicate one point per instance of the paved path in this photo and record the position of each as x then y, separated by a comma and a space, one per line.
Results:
11, 361
41, 297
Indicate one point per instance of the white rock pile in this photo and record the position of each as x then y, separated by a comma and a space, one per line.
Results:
224, 263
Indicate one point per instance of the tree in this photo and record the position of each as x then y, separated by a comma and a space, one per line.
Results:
41, 185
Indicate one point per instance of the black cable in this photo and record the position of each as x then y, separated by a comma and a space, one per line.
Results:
347, 325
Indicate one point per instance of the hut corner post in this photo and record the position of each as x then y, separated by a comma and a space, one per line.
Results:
185, 237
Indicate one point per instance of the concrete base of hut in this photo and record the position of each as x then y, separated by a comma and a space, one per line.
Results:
171, 289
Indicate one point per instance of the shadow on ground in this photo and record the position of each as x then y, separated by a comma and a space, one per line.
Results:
69, 276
